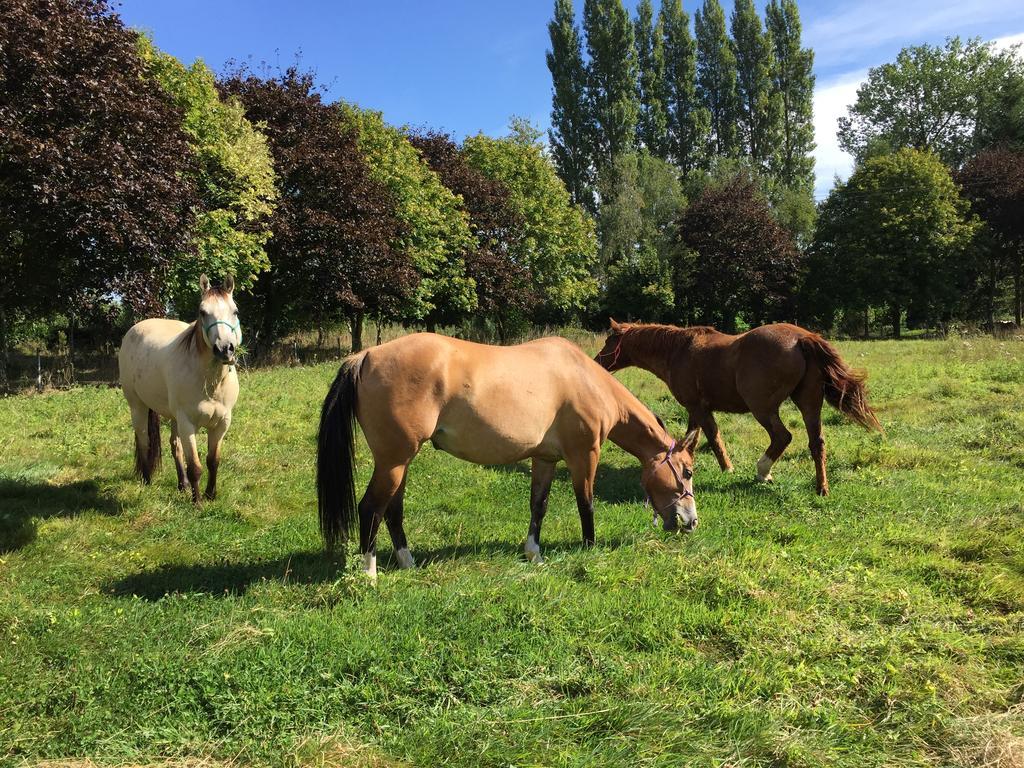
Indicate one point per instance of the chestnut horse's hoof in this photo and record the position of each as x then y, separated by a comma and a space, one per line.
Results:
210, 495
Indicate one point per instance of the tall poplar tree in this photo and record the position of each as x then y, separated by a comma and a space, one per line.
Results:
758, 102
688, 121
716, 79
612, 78
571, 127
793, 80
652, 125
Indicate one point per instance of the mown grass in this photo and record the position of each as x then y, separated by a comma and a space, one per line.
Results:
883, 625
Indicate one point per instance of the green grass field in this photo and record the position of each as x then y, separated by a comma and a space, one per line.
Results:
883, 625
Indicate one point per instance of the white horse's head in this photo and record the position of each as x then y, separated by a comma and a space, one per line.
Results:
218, 319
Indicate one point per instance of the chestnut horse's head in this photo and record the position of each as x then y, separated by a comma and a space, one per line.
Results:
668, 480
612, 357
218, 319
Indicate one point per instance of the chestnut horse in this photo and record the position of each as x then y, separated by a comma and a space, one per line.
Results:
753, 372
544, 400
184, 372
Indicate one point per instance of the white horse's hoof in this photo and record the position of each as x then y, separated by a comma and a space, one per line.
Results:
405, 559
370, 566
532, 551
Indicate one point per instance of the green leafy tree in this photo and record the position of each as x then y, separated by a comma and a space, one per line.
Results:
688, 121
894, 237
636, 226
716, 80
611, 79
929, 99
652, 124
435, 234
993, 182
571, 133
759, 103
95, 189
1001, 118
234, 176
504, 290
793, 80
558, 245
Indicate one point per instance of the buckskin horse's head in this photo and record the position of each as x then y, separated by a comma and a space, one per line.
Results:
218, 319
668, 480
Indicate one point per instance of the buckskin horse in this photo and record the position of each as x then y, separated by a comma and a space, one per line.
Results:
184, 372
753, 372
544, 400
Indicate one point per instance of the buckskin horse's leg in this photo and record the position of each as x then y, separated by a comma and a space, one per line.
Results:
541, 474
583, 467
394, 517
384, 484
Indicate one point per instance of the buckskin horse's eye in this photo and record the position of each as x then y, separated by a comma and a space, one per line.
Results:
687, 473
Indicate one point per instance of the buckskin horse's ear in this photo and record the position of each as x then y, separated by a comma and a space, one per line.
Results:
616, 327
204, 283
690, 441
229, 283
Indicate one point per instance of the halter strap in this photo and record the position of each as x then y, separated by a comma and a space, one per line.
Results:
234, 328
684, 494
615, 352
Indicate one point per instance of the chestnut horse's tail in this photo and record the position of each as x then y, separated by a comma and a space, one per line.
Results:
844, 387
336, 455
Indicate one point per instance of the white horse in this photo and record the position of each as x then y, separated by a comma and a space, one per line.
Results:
184, 372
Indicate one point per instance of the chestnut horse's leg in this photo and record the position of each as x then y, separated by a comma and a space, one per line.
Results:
395, 517
583, 467
541, 474
214, 438
808, 398
178, 454
781, 437
705, 420
384, 484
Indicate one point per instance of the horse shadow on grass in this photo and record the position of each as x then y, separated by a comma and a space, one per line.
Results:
227, 579
24, 502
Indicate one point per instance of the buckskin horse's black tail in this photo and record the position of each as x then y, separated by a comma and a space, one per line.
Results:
844, 387
336, 457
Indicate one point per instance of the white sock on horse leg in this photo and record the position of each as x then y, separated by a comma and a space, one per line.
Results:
764, 468
370, 565
404, 557
532, 549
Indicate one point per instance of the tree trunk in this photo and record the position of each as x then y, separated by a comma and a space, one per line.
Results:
380, 322
3, 351
867, 323
895, 315
1018, 278
357, 331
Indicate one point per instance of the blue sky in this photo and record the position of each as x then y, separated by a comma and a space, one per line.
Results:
468, 66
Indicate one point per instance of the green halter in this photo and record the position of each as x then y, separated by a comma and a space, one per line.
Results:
234, 328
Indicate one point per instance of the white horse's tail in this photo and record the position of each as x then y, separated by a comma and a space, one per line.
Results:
147, 463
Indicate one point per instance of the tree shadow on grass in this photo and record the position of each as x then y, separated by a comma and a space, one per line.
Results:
513, 550
614, 485
24, 502
227, 579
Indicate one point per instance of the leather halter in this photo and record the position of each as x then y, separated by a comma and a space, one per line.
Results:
684, 494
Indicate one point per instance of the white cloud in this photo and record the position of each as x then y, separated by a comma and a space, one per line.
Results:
843, 37
830, 103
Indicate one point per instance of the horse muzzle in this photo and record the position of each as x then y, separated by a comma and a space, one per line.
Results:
684, 520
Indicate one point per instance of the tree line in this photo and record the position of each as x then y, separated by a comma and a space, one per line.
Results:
124, 174
650, 120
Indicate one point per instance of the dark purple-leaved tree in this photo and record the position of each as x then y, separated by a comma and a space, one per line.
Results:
331, 253
94, 198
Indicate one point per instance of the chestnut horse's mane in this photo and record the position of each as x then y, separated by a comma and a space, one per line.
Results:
652, 337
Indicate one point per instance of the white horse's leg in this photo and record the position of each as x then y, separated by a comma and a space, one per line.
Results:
187, 435
215, 435
179, 455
